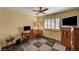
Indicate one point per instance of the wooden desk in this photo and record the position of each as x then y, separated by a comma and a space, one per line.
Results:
31, 34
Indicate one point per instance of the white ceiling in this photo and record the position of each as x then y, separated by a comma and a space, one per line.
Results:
28, 10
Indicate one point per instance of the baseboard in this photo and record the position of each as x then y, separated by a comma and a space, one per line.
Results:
50, 38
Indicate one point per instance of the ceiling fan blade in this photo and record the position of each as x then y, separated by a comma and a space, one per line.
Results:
43, 13
45, 9
37, 13
35, 10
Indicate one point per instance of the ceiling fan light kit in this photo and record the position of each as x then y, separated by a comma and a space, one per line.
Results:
40, 10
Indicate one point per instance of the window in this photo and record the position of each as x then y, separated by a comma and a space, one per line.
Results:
57, 23
48, 24
53, 23
45, 24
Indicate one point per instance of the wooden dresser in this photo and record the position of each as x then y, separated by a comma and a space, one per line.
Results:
70, 38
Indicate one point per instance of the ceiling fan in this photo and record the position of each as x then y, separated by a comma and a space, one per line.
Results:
40, 10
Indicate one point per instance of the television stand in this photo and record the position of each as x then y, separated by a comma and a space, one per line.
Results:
32, 34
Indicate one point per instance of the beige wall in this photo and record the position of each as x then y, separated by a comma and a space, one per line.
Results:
0, 23
12, 23
56, 34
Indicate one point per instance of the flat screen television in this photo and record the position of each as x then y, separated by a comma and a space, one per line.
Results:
26, 28
70, 21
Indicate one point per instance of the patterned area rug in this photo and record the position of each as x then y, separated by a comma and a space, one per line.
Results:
37, 44
40, 44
